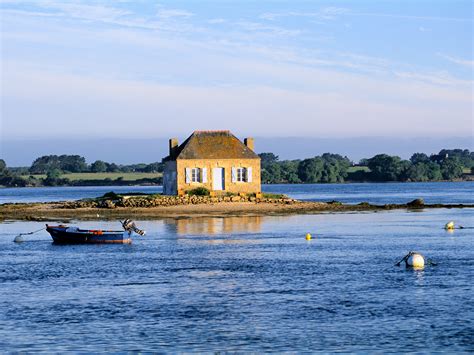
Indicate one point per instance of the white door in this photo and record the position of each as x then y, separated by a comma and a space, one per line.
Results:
218, 178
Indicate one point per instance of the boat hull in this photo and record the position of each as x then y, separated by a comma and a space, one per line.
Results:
68, 235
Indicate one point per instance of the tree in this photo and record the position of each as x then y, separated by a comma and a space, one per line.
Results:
98, 166
466, 158
417, 172
3, 166
289, 171
434, 171
364, 162
154, 168
384, 167
451, 168
419, 158
335, 168
267, 158
112, 168
45, 163
53, 174
71, 163
272, 173
310, 170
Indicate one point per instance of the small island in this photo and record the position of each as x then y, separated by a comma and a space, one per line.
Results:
151, 206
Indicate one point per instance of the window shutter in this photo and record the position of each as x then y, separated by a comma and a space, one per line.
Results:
204, 175
249, 174
234, 174
187, 172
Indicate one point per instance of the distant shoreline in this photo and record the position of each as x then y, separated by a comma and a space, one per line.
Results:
131, 183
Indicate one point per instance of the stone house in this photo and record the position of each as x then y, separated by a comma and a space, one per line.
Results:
216, 160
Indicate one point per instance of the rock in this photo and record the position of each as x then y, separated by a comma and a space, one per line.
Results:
419, 202
109, 204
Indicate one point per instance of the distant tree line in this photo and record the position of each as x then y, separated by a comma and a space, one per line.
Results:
77, 164
56, 168
448, 164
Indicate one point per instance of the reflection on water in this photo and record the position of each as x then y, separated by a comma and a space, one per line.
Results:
215, 225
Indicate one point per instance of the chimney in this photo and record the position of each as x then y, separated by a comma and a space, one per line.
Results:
173, 147
249, 143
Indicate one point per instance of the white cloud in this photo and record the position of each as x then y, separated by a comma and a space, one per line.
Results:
216, 21
326, 13
155, 72
332, 13
84, 11
463, 62
317, 107
172, 13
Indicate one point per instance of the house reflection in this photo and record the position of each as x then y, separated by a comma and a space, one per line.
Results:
215, 225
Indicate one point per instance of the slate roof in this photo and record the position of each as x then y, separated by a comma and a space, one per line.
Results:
213, 145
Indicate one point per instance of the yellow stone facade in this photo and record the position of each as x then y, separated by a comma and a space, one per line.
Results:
229, 185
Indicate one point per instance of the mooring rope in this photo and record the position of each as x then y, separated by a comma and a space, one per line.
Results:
19, 239
39, 230
410, 253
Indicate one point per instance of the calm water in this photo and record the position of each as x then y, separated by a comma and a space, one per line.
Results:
434, 192
244, 284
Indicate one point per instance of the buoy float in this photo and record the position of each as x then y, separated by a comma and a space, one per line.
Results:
449, 226
416, 261
308, 236
19, 239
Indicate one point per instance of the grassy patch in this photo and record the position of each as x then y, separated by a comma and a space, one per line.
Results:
103, 176
273, 196
353, 169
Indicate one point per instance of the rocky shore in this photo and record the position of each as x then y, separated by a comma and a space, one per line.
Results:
146, 201
112, 206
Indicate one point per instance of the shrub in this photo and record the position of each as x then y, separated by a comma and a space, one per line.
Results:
111, 195
274, 196
198, 191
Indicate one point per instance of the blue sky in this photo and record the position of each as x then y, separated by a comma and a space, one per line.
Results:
262, 68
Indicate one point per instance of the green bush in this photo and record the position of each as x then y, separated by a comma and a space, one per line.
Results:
274, 196
111, 195
198, 191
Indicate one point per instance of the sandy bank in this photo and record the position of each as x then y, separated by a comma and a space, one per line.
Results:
63, 211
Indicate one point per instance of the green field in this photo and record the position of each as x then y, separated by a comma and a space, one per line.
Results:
353, 169
102, 176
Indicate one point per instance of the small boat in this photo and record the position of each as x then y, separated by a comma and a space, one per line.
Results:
62, 234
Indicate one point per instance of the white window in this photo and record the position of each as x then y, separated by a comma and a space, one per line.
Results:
241, 174
195, 175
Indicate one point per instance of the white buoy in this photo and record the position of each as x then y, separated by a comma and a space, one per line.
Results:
18, 239
416, 261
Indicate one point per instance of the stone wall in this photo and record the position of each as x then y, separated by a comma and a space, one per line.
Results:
162, 200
